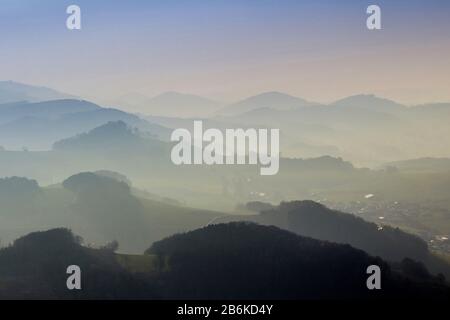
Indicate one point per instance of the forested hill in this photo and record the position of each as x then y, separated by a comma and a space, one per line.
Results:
227, 261
312, 219
249, 261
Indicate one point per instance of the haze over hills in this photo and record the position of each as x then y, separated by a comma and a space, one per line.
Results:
435, 107
365, 129
371, 102
274, 152
169, 104
311, 219
256, 262
109, 147
88, 195
44, 110
11, 91
422, 165
362, 135
114, 134
92, 138
273, 100
100, 206
38, 125
248, 261
180, 105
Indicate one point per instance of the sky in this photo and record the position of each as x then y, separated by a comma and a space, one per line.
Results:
226, 50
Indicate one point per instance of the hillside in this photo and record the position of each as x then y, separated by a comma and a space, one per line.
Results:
98, 207
233, 261
34, 267
249, 261
271, 100
115, 134
39, 125
370, 102
311, 219
11, 91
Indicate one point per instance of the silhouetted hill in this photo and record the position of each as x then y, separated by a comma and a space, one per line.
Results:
18, 197
34, 267
249, 261
99, 206
233, 261
270, 100
116, 135
95, 118
314, 220
114, 175
371, 102
86, 183
47, 109
107, 207
16, 187
39, 125
311, 219
11, 91
359, 128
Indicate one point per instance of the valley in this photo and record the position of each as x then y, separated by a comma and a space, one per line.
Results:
109, 178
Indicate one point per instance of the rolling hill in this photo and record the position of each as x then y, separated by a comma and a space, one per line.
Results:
11, 91
271, 100
311, 219
249, 261
38, 125
101, 207
169, 104
227, 261
370, 102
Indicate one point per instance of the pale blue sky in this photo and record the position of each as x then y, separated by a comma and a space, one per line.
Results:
228, 49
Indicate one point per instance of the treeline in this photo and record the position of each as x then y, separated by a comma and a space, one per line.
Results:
226, 261
312, 219
249, 261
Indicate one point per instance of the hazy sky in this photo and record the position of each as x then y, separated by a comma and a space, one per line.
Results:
228, 49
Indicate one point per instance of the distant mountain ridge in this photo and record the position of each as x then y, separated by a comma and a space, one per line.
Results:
38, 125
271, 100
11, 91
359, 128
371, 102
223, 262
101, 206
169, 104
312, 219
250, 261
46, 109
114, 134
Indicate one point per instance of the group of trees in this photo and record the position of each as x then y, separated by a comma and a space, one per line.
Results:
225, 261
248, 261
34, 267
312, 219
